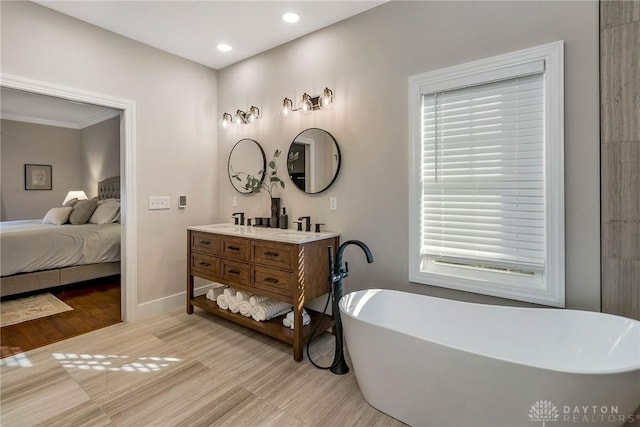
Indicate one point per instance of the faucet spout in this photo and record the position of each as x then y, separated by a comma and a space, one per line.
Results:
307, 222
360, 244
236, 218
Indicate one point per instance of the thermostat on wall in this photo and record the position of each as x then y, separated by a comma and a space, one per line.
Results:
182, 202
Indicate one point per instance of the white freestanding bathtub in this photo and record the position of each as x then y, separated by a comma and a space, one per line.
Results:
435, 362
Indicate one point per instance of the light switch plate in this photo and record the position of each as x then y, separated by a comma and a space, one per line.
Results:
159, 202
333, 203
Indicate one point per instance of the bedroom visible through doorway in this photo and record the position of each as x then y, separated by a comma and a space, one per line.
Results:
127, 114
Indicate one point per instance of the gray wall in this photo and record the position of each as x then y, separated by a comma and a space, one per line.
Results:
79, 160
100, 153
176, 125
27, 143
620, 86
367, 60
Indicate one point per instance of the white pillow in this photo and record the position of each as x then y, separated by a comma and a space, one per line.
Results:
57, 216
108, 211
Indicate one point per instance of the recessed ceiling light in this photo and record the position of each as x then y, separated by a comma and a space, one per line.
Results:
223, 47
291, 17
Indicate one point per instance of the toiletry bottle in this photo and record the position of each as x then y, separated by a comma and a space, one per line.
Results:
284, 219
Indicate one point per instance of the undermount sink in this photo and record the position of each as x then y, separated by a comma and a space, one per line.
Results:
230, 227
292, 235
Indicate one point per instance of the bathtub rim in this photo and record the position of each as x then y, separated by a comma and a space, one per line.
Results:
625, 370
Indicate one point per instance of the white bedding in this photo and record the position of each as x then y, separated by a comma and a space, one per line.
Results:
29, 245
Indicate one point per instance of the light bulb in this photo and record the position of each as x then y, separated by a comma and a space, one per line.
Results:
225, 121
305, 105
241, 117
326, 99
287, 107
253, 114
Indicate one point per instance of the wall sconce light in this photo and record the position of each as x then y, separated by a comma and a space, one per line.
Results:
241, 117
226, 121
287, 107
309, 103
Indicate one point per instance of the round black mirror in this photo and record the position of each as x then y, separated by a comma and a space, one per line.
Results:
247, 163
313, 161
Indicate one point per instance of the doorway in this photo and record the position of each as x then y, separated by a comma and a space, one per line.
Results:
128, 247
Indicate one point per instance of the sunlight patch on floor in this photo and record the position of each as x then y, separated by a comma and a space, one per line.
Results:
111, 362
17, 360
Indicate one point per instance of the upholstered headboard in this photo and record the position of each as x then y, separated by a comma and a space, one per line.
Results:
109, 188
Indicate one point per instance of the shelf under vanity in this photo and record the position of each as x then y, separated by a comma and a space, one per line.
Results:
289, 266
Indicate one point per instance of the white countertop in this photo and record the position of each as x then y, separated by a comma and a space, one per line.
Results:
273, 234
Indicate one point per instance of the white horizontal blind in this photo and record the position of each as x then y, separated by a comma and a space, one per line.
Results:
483, 174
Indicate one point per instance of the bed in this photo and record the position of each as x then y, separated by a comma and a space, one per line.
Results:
38, 256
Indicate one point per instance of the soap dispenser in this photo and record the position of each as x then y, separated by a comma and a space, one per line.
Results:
284, 219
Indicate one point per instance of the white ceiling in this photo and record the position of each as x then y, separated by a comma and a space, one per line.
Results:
46, 110
189, 29
193, 29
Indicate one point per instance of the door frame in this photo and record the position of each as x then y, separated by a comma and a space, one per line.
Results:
129, 243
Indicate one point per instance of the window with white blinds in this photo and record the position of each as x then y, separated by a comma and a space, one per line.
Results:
486, 178
483, 174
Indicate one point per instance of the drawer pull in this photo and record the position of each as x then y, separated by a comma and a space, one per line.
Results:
204, 264
205, 242
271, 253
233, 271
233, 248
271, 280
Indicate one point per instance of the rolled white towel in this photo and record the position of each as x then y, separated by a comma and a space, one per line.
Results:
212, 294
223, 301
233, 305
257, 299
245, 308
289, 322
269, 309
230, 292
290, 314
243, 295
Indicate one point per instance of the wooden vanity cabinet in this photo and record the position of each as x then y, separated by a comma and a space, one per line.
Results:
289, 272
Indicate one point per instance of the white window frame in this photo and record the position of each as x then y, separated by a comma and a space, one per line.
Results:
548, 287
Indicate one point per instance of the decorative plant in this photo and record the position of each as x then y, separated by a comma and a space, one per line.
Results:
292, 158
254, 183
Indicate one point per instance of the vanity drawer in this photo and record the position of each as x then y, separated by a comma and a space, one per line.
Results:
235, 272
235, 248
277, 281
206, 264
279, 255
204, 242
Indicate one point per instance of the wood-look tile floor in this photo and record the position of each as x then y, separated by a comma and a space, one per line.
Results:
95, 303
179, 370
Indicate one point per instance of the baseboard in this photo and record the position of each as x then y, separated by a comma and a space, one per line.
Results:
167, 304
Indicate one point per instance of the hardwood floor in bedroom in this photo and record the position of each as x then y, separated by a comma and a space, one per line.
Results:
95, 303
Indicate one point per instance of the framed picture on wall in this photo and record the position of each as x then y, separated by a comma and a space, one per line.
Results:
37, 177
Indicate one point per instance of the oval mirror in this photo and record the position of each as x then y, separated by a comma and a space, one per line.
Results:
247, 163
313, 161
